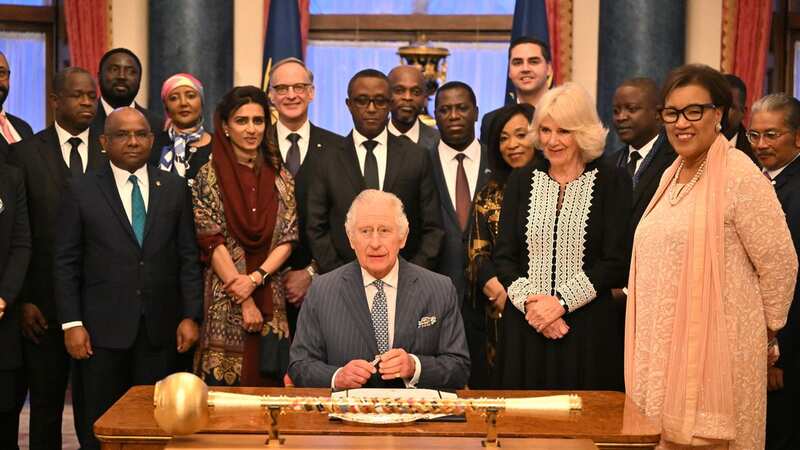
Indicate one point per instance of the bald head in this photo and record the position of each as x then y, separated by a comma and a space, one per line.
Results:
127, 139
409, 96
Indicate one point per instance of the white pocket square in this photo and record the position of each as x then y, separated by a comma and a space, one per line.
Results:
426, 321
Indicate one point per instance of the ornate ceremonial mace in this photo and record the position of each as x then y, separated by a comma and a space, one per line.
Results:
182, 402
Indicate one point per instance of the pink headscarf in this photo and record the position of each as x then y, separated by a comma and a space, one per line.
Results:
174, 82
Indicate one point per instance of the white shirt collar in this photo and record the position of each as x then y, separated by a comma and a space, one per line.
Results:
412, 133
64, 135
121, 175
472, 152
109, 109
283, 131
774, 173
645, 150
390, 278
381, 138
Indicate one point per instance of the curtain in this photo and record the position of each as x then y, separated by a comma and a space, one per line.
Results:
25, 52
334, 62
87, 32
745, 43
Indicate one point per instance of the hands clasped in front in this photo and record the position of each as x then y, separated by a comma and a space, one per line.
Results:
543, 313
395, 363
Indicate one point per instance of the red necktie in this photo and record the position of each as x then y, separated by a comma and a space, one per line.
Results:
463, 201
5, 128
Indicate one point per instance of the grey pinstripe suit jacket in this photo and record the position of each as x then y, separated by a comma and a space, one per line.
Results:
335, 327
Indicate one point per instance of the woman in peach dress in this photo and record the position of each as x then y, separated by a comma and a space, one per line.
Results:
712, 277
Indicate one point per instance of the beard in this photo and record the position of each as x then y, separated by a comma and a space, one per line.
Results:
117, 100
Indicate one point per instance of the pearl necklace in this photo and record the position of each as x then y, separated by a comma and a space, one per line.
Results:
677, 194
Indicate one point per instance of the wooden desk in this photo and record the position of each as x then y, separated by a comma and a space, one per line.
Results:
609, 419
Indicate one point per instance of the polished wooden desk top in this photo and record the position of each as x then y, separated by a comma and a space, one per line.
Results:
607, 417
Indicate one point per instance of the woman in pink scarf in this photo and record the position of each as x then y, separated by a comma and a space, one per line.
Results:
712, 277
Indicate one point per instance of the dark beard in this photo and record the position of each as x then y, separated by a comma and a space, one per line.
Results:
117, 101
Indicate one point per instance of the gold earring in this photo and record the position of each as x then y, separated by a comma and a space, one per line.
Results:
719, 127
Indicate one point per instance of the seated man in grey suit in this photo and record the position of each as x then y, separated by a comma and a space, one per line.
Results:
379, 321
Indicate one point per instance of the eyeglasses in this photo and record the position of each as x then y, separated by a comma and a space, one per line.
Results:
298, 88
364, 101
139, 135
770, 137
4, 74
692, 113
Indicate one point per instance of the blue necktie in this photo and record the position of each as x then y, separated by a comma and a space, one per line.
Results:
138, 213
380, 318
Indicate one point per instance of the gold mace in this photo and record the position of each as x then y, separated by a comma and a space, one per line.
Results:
182, 402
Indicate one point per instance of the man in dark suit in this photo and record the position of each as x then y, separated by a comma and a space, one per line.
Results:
372, 158
120, 74
12, 128
291, 89
15, 252
647, 152
775, 135
733, 128
409, 98
530, 70
379, 321
127, 272
48, 159
460, 168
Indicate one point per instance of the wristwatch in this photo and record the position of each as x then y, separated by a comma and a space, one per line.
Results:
562, 302
264, 275
311, 272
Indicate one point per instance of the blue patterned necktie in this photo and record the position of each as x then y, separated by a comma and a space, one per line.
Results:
138, 213
380, 318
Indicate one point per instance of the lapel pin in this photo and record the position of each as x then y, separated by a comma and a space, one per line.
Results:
158, 183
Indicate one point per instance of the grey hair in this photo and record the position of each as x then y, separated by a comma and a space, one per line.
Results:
292, 60
787, 104
375, 196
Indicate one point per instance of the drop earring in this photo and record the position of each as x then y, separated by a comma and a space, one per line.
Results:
719, 127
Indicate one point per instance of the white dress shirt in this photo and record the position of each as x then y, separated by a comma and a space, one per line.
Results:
66, 147
284, 143
643, 152
472, 165
124, 188
380, 152
774, 173
412, 133
14, 134
109, 109
390, 283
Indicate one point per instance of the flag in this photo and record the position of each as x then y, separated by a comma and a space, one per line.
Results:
530, 19
283, 38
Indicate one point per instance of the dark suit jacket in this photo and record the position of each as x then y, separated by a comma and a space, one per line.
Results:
787, 187
320, 140
335, 327
23, 129
339, 180
46, 173
105, 279
99, 122
15, 252
744, 145
428, 136
452, 259
648, 176
486, 124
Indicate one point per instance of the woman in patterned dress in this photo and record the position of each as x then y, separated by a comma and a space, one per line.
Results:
712, 277
246, 223
562, 245
510, 147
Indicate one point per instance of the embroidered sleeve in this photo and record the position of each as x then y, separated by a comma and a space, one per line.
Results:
518, 292
208, 213
286, 228
577, 291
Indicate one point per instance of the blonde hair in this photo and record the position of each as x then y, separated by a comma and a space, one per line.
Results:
572, 108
